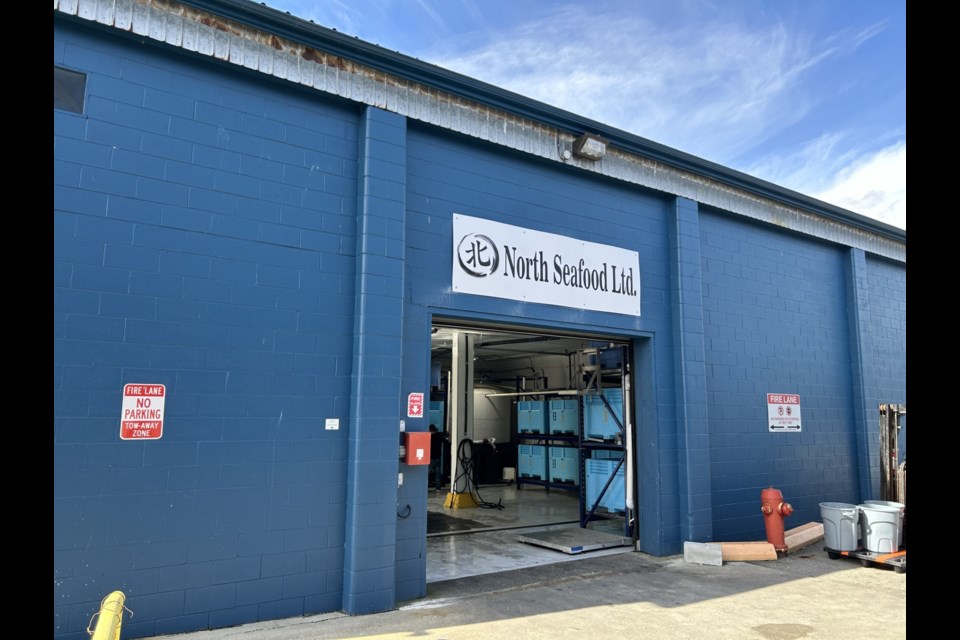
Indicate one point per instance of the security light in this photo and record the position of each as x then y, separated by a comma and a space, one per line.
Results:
589, 146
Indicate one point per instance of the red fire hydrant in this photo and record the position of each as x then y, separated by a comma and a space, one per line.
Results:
774, 510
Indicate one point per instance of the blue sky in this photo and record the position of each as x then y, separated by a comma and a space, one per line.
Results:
807, 94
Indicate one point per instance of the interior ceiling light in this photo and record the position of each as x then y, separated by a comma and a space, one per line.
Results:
589, 146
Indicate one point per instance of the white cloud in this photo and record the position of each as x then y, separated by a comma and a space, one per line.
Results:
698, 78
712, 89
874, 186
833, 168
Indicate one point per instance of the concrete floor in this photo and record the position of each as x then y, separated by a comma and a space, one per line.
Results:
493, 547
632, 595
538, 593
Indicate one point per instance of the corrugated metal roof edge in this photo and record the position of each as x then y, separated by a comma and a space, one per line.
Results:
263, 17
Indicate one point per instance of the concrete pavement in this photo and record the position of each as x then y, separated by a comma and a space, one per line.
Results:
631, 595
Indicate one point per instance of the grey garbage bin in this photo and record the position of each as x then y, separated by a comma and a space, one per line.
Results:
898, 505
840, 530
879, 527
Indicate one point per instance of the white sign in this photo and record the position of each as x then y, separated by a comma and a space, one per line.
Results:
332, 424
783, 412
141, 415
504, 261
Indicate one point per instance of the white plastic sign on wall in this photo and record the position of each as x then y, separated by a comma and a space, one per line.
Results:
504, 261
783, 412
141, 416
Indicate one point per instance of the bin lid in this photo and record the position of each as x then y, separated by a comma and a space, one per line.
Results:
866, 506
886, 503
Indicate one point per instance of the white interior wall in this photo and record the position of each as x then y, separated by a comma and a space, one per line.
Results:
532, 366
491, 416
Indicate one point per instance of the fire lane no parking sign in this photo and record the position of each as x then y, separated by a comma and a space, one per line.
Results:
141, 417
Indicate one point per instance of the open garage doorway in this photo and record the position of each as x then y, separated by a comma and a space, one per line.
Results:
533, 457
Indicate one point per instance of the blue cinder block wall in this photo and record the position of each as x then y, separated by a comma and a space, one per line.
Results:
887, 303
447, 175
204, 239
693, 428
276, 258
411, 506
369, 571
775, 322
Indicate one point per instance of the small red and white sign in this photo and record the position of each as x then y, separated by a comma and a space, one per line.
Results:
415, 405
141, 417
783, 412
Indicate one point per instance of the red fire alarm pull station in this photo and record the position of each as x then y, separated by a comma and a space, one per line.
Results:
417, 444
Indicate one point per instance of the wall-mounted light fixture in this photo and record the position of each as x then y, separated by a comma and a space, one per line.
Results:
589, 146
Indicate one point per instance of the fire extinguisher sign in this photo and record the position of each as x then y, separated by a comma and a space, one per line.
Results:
415, 405
783, 412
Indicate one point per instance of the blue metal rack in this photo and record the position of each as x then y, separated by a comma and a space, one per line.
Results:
602, 438
563, 452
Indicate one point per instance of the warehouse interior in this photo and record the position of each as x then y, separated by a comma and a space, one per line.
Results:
522, 445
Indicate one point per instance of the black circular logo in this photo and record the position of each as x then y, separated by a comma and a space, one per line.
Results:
478, 255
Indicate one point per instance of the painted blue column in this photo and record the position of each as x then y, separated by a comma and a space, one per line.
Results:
412, 496
653, 538
693, 429
865, 404
369, 583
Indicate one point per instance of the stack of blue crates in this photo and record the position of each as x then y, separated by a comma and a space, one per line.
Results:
597, 421
564, 463
532, 461
532, 416
597, 473
564, 416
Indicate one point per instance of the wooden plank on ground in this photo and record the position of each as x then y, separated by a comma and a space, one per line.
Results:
746, 551
803, 536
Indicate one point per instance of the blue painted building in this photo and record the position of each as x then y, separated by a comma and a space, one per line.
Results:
257, 213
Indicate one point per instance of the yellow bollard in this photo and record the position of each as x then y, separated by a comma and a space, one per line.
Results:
109, 618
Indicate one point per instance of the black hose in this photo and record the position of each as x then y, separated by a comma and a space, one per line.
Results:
466, 474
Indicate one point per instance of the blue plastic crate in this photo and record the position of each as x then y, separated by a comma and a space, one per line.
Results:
564, 465
532, 461
606, 454
532, 416
597, 420
611, 358
564, 415
436, 414
596, 474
